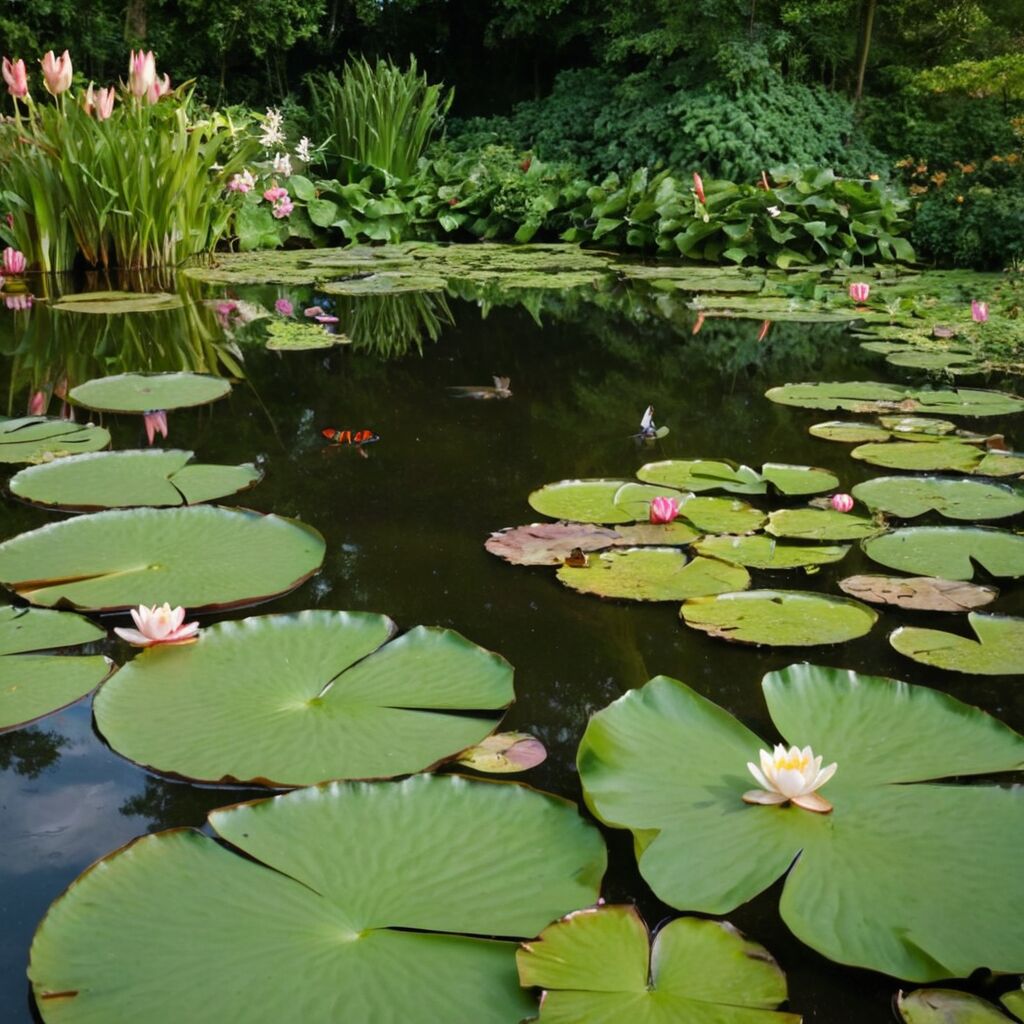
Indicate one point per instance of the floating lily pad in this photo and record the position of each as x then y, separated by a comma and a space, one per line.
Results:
703, 475
36, 439
949, 360
925, 863
200, 557
849, 433
820, 524
129, 478
117, 302
33, 685
788, 479
868, 396
998, 651
143, 392
911, 455
600, 965
907, 497
293, 336
779, 618
504, 752
949, 551
917, 425
921, 593
584, 501
721, 515
760, 552
677, 533
293, 700
997, 463
653, 574
361, 899
553, 543
948, 1006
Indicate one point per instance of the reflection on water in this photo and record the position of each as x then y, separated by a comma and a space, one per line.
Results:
30, 751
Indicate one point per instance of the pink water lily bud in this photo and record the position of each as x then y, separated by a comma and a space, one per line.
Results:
841, 502
37, 403
156, 423
16, 77
57, 72
979, 311
14, 261
141, 72
272, 195
159, 624
859, 291
664, 510
284, 307
698, 186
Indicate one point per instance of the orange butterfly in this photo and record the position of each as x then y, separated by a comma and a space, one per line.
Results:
357, 438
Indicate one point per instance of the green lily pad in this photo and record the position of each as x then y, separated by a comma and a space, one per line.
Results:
820, 524
795, 480
911, 455
949, 551
600, 966
917, 425
37, 439
584, 501
553, 543
364, 899
125, 479
953, 362
144, 392
997, 463
760, 552
635, 499
117, 302
653, 574
925, 863
907, 497
998, 651
869, 396
33, 685
921, 593
703, 475
721, 515
779, 618
293, 700
946, 1006
849, 433
293, 336
201, 557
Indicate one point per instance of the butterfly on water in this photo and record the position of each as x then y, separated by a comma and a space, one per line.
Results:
356, 438
500, 390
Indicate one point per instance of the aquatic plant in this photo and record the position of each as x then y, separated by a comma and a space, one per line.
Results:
663, 510
790, 776
159, 625
841, 502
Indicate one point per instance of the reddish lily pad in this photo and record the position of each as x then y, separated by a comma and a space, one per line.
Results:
920, 593
553, 543
504, 752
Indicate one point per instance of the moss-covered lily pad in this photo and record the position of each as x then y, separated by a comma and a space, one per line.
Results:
951, 552
908, 497
653, 574
998, 651
950, 1006
293, 336
365, 900
920, 593
143, 392
129, 478
600, 965
553, 543
931, 894
940, 455
38, 439
820, 524
848, 432
198, 556
33, 685
293, 700
870, 396
118, 302
760, 552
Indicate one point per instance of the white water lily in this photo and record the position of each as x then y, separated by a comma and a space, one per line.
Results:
790, 776
160, 624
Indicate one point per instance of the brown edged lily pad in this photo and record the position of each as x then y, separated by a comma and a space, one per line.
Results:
920, 593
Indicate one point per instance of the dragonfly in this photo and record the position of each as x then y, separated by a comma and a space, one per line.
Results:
501, 389
649, 432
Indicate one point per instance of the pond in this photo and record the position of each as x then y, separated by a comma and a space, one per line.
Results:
405, 528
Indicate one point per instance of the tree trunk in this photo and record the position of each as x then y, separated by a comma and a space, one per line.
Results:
869, 24
135, 22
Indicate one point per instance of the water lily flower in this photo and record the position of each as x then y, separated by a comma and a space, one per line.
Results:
273, 195
2, 279
698, 185
37, 403
156, 423
841, 502
243, 182
859, 291
790, 776
16, 77
141, 72
14, 261
57, 72
160, 624
18, 302
284, 307
283, 207
979, 311
664, 510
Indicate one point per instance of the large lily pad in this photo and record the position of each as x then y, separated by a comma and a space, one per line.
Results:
870, 396
998, 651
293, 700
848, 432
33, 685
143, 392
927, 865
653, 574
908, 497
787, 479
920, 593
721, 515
704, 475
586, 501
363, 901
553, 543
820, 524
949, 1006
36, 438
118, 302
943, 454
198, 557
125, 479
760, 552
949, 551
600, 966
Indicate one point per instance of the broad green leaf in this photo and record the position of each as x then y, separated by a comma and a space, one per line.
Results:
820, 524
703, 475
868, 396
953, 498
998, 651
366, 900
117, 302
848, 432
997, 463
584, 501
949, 551
945, 454
760, 552
946, 1006
37, 439
788, 479
721, 515
921, 593
917, 425
144, 392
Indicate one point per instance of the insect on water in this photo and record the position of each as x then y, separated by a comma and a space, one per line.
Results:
356, 439
649, 432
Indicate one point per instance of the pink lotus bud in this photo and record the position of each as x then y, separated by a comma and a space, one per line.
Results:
284, 307
156, 423
16, 77
698, 185
14, 261
979, 311
37, 403
141, 72
859, 291
664, 510
57, 72
105, 103
841, 502
272, 195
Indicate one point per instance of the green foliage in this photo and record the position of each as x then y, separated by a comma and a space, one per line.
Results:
999, 76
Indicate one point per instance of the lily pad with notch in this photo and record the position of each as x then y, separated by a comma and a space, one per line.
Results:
944, 454
997, 651
585, 501
761, 552
703, 475
37, 439
553, 543
871, 396
952, 552
820, 524
951, 1006
144, 392
721, 515
907, 497
919, 593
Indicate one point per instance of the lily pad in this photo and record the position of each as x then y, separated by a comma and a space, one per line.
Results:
364, 899
201, 557
33, 685
600, 966
917, 425
997, 463
117, 302
760, 552
553, 543
143, 392
998, 651
951, 552
920, 593
703, 475
653, 574
820, 524
794, 480
504, 752
848, 432
584, 501
129, 478
293, 700
292, 336
946, 1006
721, 515
779, 618
907, 497
931, 896
870, 396
911, 455
36, 439
953, 362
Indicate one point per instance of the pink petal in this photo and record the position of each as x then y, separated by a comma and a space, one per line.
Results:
134, 637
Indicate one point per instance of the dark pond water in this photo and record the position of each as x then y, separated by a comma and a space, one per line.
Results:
405, 530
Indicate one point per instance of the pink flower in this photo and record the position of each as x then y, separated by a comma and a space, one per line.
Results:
664, 510
312, 311
841, 502
99, 102
283, 207
160, 624
284, 307
14, 261
979, 311
225, 311
272, 195
141, 72
698, 184
37, 403
16, 77
18, 302
57, 72
859, 291
325, 318
2, 279
156, 423
158, 88
243, 182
